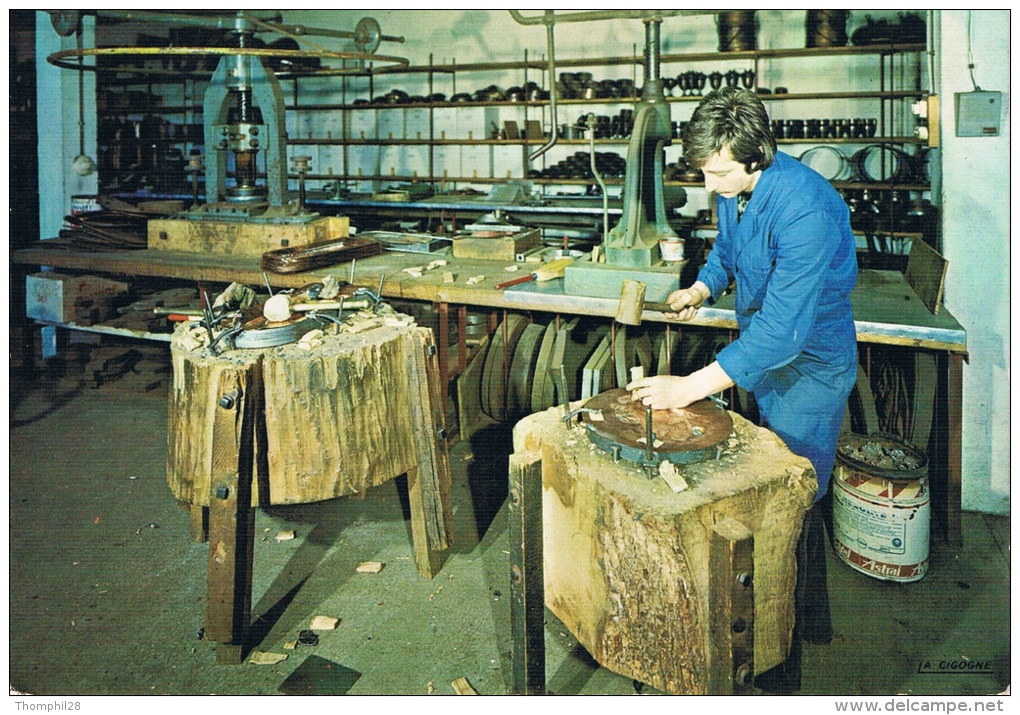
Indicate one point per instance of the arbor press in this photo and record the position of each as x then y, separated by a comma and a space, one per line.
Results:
631, 248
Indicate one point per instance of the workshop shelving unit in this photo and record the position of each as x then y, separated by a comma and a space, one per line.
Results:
362, 142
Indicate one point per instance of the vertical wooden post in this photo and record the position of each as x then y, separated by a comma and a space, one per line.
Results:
461, 339
231, 516
946, 477
527, 585
444, 348
731, 621
428, 484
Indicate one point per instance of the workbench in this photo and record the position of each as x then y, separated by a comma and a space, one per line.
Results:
886, 309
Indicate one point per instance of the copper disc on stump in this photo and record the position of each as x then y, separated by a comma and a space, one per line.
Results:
682, 436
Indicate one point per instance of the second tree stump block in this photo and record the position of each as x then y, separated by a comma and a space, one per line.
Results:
629, 565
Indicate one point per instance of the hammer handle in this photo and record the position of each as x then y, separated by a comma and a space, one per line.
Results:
660, 307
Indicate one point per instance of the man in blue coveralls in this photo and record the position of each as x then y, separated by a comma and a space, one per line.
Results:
785, 240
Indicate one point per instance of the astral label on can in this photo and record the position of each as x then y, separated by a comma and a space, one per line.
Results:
883, 530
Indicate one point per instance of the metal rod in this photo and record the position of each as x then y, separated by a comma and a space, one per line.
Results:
565, 396
323, 32
652, 54
551, 49
81, 98
590, 123
604, 15
375, 308
649, 437
222, 22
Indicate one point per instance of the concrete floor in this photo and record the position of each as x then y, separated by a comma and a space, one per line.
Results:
107, 590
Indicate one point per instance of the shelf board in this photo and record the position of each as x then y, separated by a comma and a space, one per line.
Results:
881, 232
318, 141
310, 141
639, 60
857, 140
541, 103
633, 60
852, 185
889, 94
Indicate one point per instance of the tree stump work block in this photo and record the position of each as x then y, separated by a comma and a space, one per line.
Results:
628, 563
288, 426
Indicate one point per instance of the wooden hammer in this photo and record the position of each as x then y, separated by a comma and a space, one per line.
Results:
632, 303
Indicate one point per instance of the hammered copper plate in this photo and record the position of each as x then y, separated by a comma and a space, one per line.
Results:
699, 426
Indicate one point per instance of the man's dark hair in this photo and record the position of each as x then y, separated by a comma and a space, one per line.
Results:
734, 118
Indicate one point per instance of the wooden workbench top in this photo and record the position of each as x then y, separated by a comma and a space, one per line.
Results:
886, 309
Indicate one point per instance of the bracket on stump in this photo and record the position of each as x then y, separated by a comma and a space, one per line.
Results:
231, 517
731, 622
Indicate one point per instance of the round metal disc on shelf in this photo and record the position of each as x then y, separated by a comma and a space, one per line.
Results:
522, 371
685, 436
665, 350
549, 392
538, 402
630, 351
493, 383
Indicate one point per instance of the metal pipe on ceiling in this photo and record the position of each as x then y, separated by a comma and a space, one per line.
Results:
550, 16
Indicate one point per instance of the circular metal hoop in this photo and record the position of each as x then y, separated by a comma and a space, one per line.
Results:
75, 59
827, 161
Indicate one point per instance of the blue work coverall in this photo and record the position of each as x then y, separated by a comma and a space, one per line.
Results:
793, 257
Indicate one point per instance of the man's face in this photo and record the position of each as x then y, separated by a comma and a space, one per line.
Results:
726, 176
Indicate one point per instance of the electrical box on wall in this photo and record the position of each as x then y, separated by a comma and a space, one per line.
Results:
978, 113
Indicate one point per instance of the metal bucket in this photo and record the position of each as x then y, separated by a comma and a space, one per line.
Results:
881, 516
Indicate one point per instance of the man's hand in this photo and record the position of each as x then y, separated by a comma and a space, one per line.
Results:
665, 392
685, 302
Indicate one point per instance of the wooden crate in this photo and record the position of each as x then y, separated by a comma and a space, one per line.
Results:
497, 248
55, 297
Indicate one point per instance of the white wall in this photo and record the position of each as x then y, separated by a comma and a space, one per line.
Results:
975, 238
58, 126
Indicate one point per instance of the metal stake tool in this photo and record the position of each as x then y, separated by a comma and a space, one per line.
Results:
649, 443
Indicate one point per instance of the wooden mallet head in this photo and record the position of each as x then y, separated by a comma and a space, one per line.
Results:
632, 303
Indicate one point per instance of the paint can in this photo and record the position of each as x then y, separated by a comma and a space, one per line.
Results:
84, 203
881, 507
671, 250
